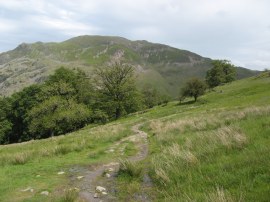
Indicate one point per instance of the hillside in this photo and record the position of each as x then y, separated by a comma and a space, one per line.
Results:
216, 149
164, 67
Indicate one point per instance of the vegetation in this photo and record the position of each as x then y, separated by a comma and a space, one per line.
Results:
69, 100
222, 72
116, 90
215, 149
193, 88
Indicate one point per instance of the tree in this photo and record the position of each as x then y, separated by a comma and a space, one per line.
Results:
116, 89
150, 96
21, 103
221, 72
193, 88
5, 124
56, 116
71, 83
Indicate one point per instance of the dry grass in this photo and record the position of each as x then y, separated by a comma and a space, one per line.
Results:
207, 121
230, 136
220, 195
176, 152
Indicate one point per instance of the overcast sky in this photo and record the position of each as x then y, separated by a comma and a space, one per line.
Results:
237, 30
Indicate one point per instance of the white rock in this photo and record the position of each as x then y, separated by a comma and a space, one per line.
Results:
37, 175
61, 173
107, 175
96, 195
110, 169
27, 189
104, 193
46, 193
100, 189
80, 177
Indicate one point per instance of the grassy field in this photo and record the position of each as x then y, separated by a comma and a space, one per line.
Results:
216, 149
36, 164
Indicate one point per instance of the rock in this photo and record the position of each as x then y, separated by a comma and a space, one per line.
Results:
46, 193
80, 177
104, 193
61, 173
107, 175
110, 169
28, 189
37, 175
96, 195
100, 189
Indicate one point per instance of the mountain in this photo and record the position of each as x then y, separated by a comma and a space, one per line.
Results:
162, 66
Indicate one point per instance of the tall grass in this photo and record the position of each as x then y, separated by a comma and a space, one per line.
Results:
196, 156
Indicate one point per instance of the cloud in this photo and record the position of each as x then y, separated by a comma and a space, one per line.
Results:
235, 30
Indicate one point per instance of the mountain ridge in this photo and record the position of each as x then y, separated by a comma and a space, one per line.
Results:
159, 65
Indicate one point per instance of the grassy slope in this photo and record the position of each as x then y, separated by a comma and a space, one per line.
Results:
215, 149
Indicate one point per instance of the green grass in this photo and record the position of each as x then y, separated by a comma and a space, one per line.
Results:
216, 149
35, 164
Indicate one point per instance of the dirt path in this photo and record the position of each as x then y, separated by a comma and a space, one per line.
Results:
95, 176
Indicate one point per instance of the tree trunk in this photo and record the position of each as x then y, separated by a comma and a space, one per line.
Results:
117, 113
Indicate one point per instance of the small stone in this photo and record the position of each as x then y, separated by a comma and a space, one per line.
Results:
32, 190
46, 193
107, 175
76, 189
80, 177
111, 150
96, 195
100, 189
104, 193
61, 173
37, 175
110, 169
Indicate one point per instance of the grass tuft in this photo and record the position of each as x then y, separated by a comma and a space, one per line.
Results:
130, 169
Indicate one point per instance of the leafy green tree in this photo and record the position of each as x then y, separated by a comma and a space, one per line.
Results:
193, 88
221, 72
116, 89
71, 83
151, 96
57, 116
21, 102
5, 124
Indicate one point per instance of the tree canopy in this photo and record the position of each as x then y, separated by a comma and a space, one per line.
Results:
221, 72
193, 88
117, 90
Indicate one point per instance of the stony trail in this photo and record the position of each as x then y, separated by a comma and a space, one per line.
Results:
104, 175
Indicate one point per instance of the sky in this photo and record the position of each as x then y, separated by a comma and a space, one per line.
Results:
236, 30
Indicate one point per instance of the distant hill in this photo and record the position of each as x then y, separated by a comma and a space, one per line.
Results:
165, 67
